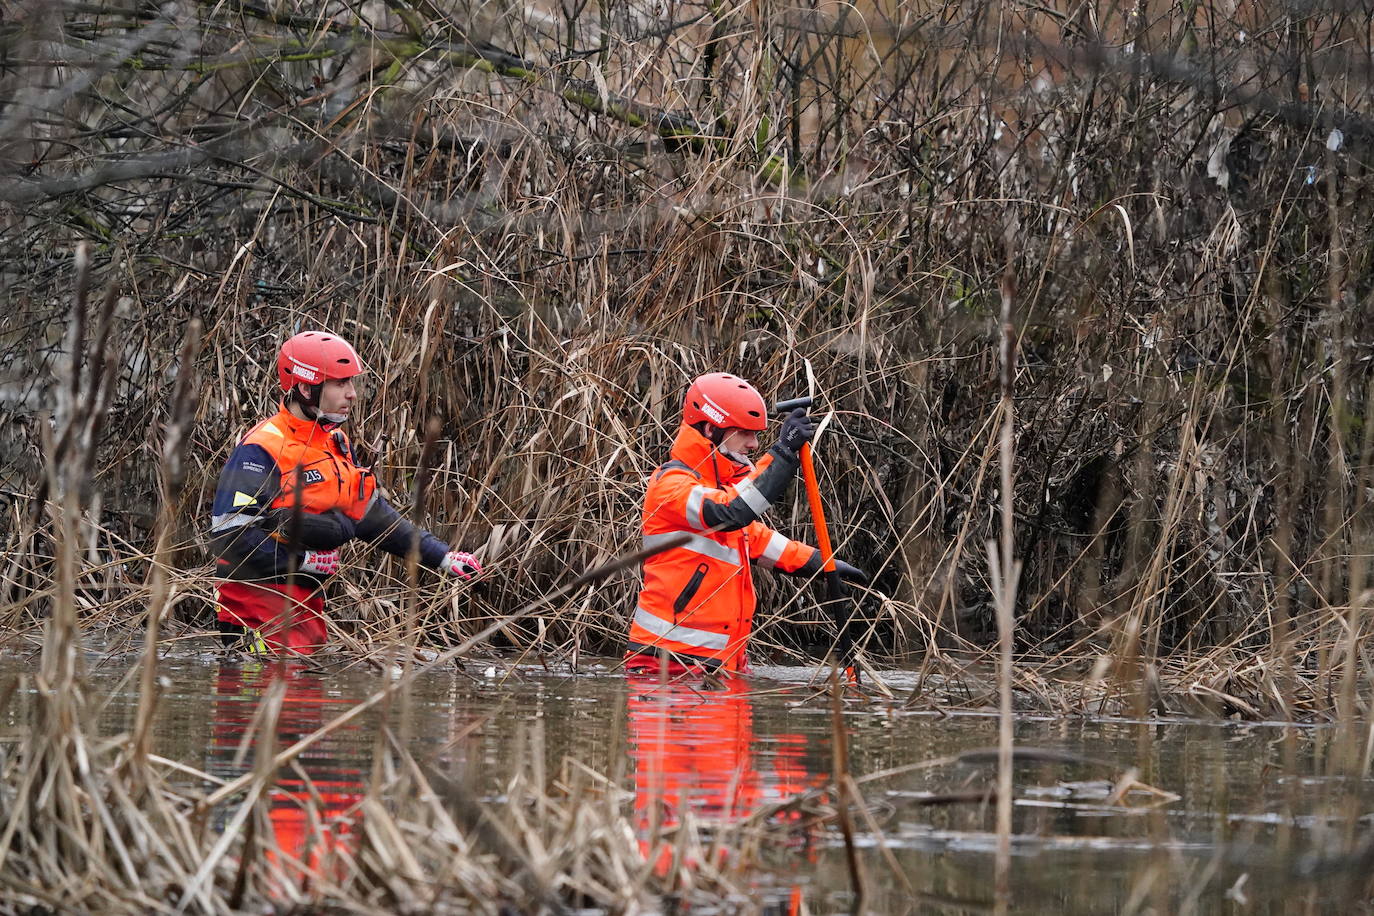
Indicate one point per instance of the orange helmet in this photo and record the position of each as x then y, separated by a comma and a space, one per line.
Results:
310, 357
725, 401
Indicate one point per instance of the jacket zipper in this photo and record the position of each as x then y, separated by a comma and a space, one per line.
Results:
338, 472
347, 454
745, 583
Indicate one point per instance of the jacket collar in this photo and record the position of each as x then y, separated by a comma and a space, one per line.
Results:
696, 451
294, 427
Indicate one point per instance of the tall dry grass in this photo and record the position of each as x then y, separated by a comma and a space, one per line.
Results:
92, 824
538, 223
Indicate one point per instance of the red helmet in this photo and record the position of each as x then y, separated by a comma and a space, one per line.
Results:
725, 401
313, 356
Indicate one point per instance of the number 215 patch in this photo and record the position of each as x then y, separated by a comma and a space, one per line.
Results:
312, 476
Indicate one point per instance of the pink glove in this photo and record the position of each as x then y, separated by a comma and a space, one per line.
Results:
320, 562
461, 564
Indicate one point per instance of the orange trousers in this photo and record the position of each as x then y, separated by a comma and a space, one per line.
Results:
290, 619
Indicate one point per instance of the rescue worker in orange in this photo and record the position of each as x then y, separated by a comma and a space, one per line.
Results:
274, 561
696, 607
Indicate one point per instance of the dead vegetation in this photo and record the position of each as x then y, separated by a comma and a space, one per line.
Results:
538, 223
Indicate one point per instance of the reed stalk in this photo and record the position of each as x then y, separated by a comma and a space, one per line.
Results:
845, 794
1005, 571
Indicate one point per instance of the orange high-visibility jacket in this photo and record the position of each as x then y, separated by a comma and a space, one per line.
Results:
261, 473
698, 599
330, 479
339, 500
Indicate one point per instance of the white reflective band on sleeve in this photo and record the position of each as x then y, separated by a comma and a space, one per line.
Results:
697, 543
694, 502
232, 520
773, 552
701, 639
752, 497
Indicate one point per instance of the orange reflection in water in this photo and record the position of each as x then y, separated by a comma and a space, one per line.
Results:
695, 750
313, 819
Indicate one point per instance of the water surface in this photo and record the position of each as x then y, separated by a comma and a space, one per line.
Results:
1243, 818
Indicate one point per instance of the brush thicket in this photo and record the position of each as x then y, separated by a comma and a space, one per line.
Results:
539, 224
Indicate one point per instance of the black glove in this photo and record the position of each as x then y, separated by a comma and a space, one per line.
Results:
318, 530
850, 573
847, 572
796, 431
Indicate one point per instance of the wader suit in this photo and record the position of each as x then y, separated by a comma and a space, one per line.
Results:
253, 522
697, 603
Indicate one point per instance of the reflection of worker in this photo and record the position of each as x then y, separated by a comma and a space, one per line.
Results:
276, 559
694, 750
697, 605
313, 823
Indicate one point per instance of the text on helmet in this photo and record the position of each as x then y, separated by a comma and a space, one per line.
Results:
305, 372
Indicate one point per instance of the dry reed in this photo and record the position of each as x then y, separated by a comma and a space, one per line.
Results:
538, 224
539, 249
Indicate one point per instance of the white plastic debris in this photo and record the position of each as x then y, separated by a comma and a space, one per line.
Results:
1216, 160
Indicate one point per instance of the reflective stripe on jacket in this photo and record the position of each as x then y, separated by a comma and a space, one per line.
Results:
698, 599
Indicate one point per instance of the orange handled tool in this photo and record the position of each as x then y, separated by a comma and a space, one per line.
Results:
837, 595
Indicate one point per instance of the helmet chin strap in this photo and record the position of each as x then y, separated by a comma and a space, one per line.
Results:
310, 406
736, 457
715, 435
